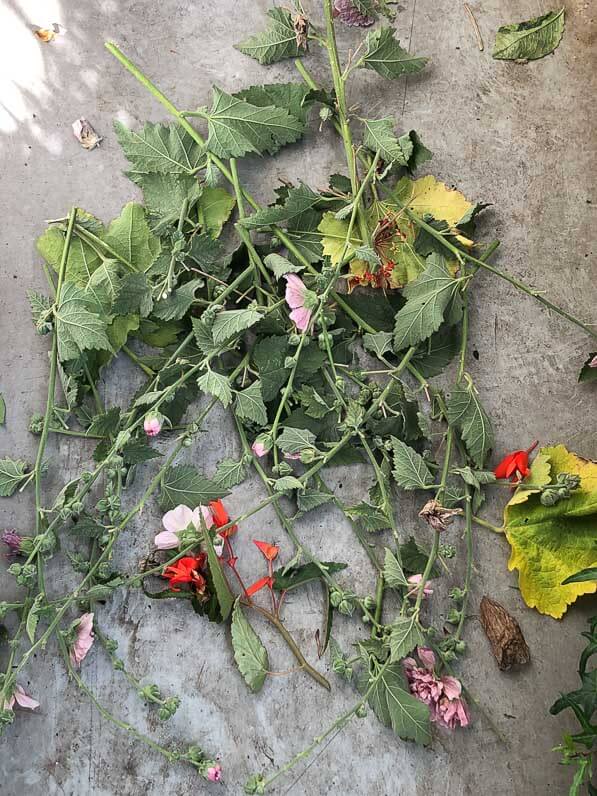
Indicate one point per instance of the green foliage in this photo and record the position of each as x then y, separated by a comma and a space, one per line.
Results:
286, 579
216, 384
250, 406
159, 149
178, 303
297, 203
404, 637
78, 328
182, 484
229, 323
249, 653
12, 474
269, 356
466, 412
295, 440
276, 42
230, 473
410, 469
405, 150
384, 54
392, 571
82, 259
529, 40
214, 208
130, 237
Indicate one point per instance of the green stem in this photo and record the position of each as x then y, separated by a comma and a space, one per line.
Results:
134, 358
485, 524
468, 535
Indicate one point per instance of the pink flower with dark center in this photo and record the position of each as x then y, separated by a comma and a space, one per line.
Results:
214, 773
296, 297
22, 698
13, 541
414, 580
152, 425
84, 640
178, 520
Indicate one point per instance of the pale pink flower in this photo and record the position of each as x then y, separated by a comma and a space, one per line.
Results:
22, 698
593, 362
214, 773
258, 449
152, 425
296, 295
84, 640
442, 694
292, 455
414, 580
178, 520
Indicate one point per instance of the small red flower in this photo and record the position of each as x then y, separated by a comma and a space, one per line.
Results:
270, 551
515, 465
259, 584
187, 570
221, 517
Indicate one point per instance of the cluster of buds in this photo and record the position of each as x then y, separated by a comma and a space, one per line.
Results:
563, 488
344, 601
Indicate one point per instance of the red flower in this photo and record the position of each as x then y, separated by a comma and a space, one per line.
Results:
259, 584
187, 570
221, 517
515, 465
270, 551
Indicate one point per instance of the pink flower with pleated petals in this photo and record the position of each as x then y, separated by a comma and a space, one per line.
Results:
214, 773
414, 580
178, 520
22, 698
443, 695
296, 295
152, 425
84, 640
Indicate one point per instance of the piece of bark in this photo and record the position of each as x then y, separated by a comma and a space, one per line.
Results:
504, 634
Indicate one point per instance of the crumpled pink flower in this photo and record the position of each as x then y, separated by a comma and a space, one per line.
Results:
441, 694
22, 698
178, 520
214, 773
350, 14
258, 449
296, 294
415, 580
13, 541
84, 640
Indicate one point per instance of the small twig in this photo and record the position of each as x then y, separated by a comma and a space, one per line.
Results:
471, 16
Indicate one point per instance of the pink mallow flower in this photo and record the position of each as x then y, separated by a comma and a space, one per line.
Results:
443, 695
84, 640
297, 298
258, 449
13, 541
414, 580
152, 425
178, 520
22, 698
214, 773
593, 362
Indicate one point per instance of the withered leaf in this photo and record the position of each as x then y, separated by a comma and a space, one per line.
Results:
44, 34
504, 634
85, 134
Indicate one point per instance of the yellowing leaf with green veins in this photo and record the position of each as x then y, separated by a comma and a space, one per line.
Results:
551, 543
428, 195
334, 234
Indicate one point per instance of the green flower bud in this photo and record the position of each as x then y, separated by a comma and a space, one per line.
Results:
187, 442
346, 607
447, 550
453, 616
294, 339
36, 423
457, 595
460, 646
335, 598
369, 602
361, 712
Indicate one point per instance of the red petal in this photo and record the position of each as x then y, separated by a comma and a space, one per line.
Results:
270, 551
501, 471
219, 513
259, 584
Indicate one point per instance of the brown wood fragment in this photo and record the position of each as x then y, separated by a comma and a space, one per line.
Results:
504, 634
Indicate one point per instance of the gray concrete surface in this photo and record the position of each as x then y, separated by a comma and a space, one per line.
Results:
520, 137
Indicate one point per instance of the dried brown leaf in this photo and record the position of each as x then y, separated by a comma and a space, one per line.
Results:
504, 634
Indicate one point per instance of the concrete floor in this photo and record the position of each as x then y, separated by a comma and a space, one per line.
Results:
520, 137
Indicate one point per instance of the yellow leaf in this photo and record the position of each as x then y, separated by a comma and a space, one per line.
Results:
550, 543
334, 234
428, 195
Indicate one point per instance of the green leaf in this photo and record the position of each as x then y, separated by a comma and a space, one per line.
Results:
250, 406
392, 571
312, 498
280, 265
182, 484
106, 423
222, 589
295, 440
379, 343
133, 296
529, 40
214, 208
236, 127
40, 309
475, 478
229, 323
269, 356
210, 255
216, 384
178, 303
298, 202
404, 637
230, 473
137, 451
33, 618
77, 328
372, 518
82, 260
130, 237
588, 372
164, 194
276, 42
159, 148
410, 469
203, 337
286, 579
12, 473
428, 297
395, 707
296, 98
466, 412
589, 574
249, 653
2, 410
384, 54
436, 353
379, 136
414, 559
287, 483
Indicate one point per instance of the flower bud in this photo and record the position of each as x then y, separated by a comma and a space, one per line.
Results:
361, 712
152, 424
36, 423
